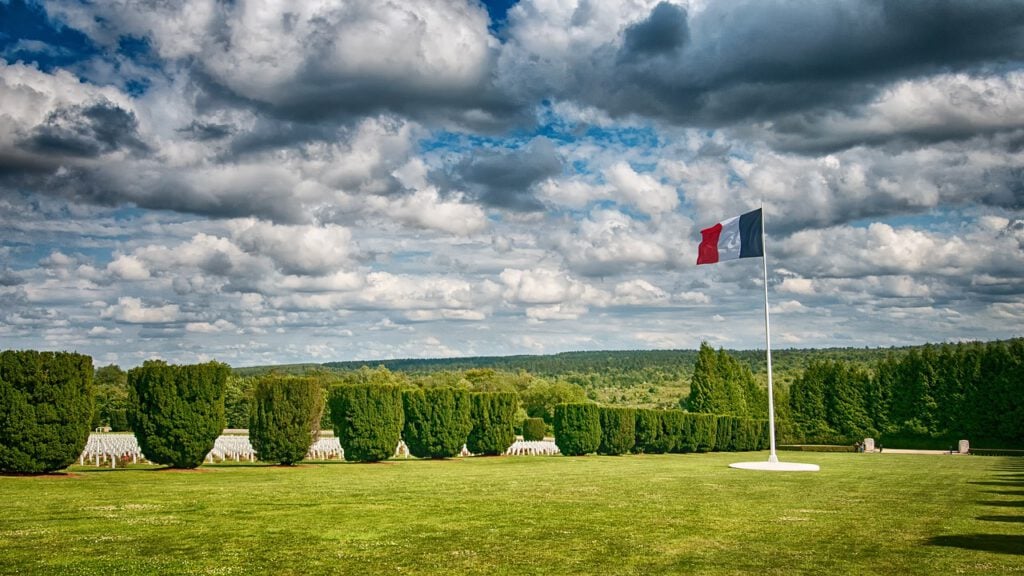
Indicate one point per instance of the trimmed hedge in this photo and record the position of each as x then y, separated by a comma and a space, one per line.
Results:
177, 412
618, 430
534, 429
725, 433
46, 405
284, 418
699, 432
437, 421
492, 415
673, 437
577, 428
648, 432
367, 420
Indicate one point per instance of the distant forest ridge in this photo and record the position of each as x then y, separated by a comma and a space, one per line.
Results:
602, 360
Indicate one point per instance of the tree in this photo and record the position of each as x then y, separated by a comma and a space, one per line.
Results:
111, 386
177, 412
534, 429
493, 417
618, 430
721, 385
285, 417
542, 396
437, 421
367, 420
577, 428
46, 407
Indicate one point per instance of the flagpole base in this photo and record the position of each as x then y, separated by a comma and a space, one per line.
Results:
776, 466
773, 458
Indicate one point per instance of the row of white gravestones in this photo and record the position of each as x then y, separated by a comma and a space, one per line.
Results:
109, 449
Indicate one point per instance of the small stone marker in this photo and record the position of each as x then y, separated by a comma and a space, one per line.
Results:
964, 447
869, 444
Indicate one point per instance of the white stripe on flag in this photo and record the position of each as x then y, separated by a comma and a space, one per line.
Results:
729, 241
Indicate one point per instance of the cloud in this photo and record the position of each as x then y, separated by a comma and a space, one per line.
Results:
642, 190
132, 311
504, 179
298, 250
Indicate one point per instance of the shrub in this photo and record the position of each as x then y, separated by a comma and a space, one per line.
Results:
367, 420
672, 430
725, 430
618, 430
534, 429
284, 419
492, 415
577, 428
177, 412
648, 432
46, 404
699, 432
437, 421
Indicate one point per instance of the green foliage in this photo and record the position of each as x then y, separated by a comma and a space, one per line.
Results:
673, 429
534, 429
699, 432
437, 421
111, 386
618, 430
285, 417
722, 385
238, 395
379, 376
367, 420
46, 407
493, 416
725, 430
649, 436
177, 412
577, 428
542, 396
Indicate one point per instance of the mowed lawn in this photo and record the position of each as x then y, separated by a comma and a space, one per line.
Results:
666, 514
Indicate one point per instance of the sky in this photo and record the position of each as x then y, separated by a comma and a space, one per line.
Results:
264, 182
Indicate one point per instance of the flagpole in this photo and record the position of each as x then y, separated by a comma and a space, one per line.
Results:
772, 457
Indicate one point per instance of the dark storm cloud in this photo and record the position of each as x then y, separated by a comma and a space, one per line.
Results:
771, 60
504, 179
664, 31
86, 132
206, 131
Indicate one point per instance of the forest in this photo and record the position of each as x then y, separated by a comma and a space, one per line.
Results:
924, 396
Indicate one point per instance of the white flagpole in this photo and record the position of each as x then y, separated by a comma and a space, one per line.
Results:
768, 346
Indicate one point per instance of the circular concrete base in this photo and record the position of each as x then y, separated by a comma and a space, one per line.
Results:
776, 466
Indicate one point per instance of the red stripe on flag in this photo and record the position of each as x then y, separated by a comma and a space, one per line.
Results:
707, 253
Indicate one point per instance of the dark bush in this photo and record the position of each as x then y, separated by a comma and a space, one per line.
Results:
367, 420
725, 430
699, 432
618, 430
177, 412
673, 431
46, 405
648, 432
577, 428
534, 429
284, 419
437, 421
492, 415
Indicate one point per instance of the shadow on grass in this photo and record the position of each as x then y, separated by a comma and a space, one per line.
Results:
1002, 518
1000, 543
1008, 504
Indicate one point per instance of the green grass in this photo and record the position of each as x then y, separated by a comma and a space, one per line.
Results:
672, 514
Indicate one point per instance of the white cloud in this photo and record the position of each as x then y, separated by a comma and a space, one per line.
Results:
642, 190
132, 311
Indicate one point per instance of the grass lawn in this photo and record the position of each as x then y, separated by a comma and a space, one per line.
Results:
671, 514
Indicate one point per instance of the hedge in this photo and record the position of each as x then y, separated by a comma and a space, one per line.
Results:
577, 428
492, 415
177, 412
284, 418
649, 437
46, 405
618, 430
367, 420
437, 421
725, 433
534, 429
699, 432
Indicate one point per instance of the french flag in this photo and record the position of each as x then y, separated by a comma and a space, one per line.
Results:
737, 237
